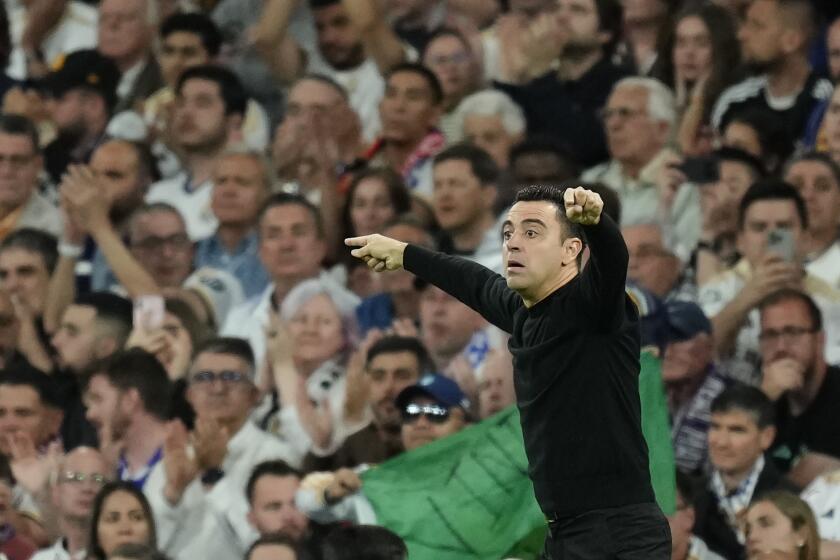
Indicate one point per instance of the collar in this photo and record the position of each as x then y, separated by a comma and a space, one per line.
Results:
647, 175
129, 78
247, 243
734, 504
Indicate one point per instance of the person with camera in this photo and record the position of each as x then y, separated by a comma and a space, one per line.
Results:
771, 220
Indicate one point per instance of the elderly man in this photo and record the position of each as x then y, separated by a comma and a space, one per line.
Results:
493, 122
654, 264
639, 118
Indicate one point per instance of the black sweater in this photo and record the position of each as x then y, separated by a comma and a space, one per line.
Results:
576, 372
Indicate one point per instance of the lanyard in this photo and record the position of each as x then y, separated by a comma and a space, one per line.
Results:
139, 482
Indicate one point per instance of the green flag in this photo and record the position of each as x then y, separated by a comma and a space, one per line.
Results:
468, 496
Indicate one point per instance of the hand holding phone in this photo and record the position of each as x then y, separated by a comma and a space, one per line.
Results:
149, 311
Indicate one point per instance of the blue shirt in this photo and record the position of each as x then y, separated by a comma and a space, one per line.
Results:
244, 263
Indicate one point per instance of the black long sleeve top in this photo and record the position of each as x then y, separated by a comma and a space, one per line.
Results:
576, 373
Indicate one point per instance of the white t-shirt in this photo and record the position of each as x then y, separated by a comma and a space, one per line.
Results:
826, 266
823, 495
192, 201
76, 30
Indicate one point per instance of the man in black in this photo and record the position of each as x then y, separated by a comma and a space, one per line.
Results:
805, 389
575, 345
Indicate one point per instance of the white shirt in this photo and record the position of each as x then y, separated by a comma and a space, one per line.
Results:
76, 30
193, 202
744, 365
58, 552
209, 525
826, 266
129, 77
823, 495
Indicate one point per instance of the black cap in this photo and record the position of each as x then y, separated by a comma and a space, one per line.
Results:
85, 69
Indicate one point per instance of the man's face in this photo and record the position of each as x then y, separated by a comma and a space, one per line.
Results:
75, 499
338, 40
633, 137
652, 265
736, 442
579, 20
273, 508
408, 109
423, 428
117, 166
9, 329
687, 360
453, 65
460, 200
19, 168
239, 190
273, 552
446, 323
833, 44
744, 137
388, 374
735, 178
124, 31
692, 55
760, 35
21, 413
180, 50
533, 242
496, 391
76, 338
761, 218
24, 274
819, 188
159, 240
309, 100
832, 122
787, 331
228, 402
199, 119
68, 112
290, 247
540, 167
104, 408
488, 133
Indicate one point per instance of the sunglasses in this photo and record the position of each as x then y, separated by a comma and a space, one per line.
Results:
434, 413
226, 376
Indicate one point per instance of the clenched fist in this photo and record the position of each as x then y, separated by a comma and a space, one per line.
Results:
583, 206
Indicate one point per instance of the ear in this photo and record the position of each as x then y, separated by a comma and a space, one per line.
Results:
820, 349
572, 246
489, 195
234, 128
791, 40
105, 346
604, 37
131, 398
767, 436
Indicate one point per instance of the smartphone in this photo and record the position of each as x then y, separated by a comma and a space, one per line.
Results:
700, 170
149, 312
780, 241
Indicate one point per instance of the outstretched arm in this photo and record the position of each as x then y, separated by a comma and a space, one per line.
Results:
476, 286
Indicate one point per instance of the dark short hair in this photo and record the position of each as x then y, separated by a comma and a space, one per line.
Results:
541, 144
230, 88
550, 193
393, 344
744, 398
435, 89
481, 164
273, 539
368, 542
194, 23
768, 190
754, 164
776, 144
112, 309
610, 19
276, 468
792, 294
24, 375
137, 369
228, 345
95, 547
818, 157
18, 125
34, 241
289, 199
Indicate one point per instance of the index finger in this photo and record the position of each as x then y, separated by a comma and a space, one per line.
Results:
357, 241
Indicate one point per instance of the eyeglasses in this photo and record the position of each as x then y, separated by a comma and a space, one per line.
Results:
623, 113
72, 477
788, 334
227, 376
434, 413
178, 241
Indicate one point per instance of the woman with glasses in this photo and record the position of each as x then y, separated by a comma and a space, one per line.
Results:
121, 515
